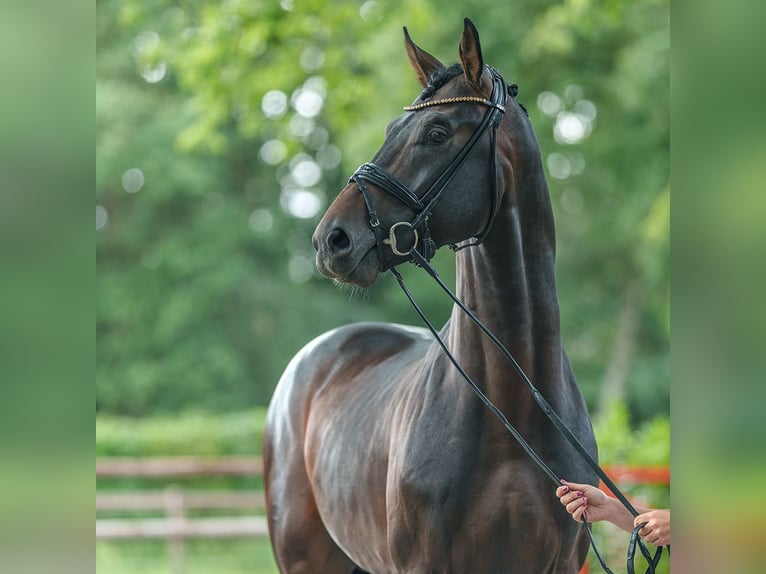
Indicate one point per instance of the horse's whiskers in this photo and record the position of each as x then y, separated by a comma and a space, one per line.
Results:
353, 291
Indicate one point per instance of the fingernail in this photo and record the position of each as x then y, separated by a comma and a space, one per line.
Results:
585, 501
562, 481
580, 493
566, 489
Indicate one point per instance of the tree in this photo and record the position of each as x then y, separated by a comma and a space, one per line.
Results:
225, 128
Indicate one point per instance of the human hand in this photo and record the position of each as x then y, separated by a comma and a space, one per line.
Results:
584, 499
657, 529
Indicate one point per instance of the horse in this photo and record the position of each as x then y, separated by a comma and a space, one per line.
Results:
377, 456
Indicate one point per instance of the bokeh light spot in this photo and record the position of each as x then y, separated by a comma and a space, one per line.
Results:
133, 180
145, 42
102, 217
273, 152
301, 126
306, 172
308, 103
549, 103
154, 73
261, 221
329, 157
300, 268
586, 109
312, 58
559, 165
371, 11
570, 128
300, 203
274, 104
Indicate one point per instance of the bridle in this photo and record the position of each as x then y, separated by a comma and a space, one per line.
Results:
424, 204
420, 248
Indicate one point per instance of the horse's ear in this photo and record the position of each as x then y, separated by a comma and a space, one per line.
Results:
422, 62
470, 54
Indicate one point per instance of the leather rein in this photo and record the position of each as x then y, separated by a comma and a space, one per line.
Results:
417, 244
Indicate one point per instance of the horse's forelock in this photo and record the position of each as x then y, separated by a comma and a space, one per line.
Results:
440, 78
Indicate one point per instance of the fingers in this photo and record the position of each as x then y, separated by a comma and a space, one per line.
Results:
576, 497
575, 502
655, 530
580, 511
571, 487
575, 485
650, 534
570, 496
648, 518
646, 531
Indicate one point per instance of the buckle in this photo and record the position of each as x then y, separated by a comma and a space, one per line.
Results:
392, 240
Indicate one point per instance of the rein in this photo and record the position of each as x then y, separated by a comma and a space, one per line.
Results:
635, 540
420, 236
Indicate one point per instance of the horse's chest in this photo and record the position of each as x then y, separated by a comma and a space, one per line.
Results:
439, 483
441, 513
431, 472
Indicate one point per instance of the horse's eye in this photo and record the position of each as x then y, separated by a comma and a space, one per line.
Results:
436, 137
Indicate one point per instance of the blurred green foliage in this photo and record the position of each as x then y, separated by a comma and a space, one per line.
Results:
225, 128
204, 434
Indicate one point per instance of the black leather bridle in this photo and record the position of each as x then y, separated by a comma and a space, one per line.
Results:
423, 204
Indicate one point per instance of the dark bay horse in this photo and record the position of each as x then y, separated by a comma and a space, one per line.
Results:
378, 457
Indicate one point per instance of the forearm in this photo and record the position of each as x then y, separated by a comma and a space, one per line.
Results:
620, 516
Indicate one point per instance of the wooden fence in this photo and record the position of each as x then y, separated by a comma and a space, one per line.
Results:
176, 526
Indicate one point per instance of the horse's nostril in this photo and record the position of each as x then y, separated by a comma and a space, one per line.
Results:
338, 241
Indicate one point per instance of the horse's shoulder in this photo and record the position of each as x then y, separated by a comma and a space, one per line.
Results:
363, 341
343, 353
365, 337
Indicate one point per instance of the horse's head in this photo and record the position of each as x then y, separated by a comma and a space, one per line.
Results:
435, 180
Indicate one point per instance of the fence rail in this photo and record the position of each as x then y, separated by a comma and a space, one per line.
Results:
639, 474
164, 528
158, 499
178, 466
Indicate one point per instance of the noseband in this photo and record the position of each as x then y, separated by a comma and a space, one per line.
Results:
404, 236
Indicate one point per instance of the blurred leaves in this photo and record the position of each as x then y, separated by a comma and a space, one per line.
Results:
235, 433
225, 128
619, 444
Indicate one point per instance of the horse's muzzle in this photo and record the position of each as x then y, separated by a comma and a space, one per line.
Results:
345, 256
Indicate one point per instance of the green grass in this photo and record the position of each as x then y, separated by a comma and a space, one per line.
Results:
236, 556
254, 556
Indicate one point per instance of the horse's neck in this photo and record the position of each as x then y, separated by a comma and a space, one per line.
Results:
509, 282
